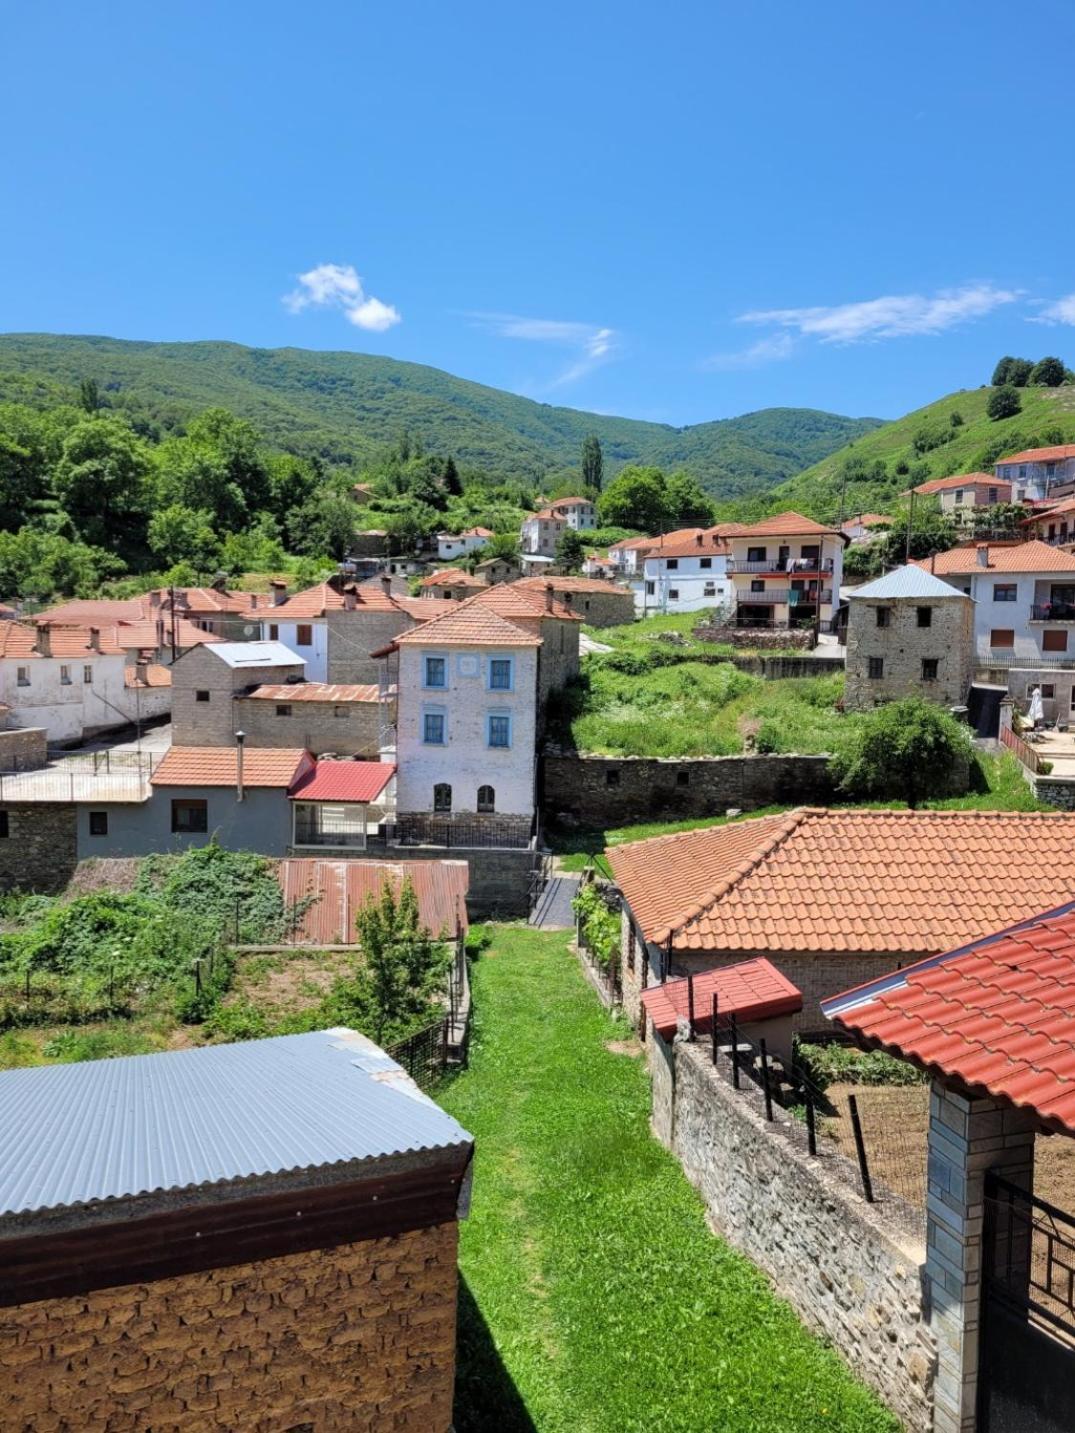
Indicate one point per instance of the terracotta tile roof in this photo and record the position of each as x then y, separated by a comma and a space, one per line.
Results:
451, 577
712, 544
470, 623
211, 601
158, 633
478, 532
339, 888
783, 524
314, 692
866, 519
1054, 454
98, 611
571, 502
153, 675
751, 990
358, 781
817, 880
961, 480
215, 766
18, 641
572, 584
1053, 511
515, 600
311, 602
998, 1015
1019, 557
547, 515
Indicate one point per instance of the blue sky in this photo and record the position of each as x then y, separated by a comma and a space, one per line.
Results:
675, 212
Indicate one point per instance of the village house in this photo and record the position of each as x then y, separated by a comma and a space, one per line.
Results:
865, 526
537, 611
959, 497
908, 634
301, 620
324, 717
833, 898
207, 680
305, 1185
498, 569
1038, 474
452, 583
215, 609
688, 574
785, 571
370, 616
1054, 524
597, 602
451, 545
541, 532
627, 555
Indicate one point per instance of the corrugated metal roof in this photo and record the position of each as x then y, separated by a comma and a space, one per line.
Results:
183, 1119
340, 888
908, 581
256, 654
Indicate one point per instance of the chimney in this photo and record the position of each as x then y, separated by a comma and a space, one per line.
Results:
386, 584
549, 597
141, 671
349, 600
154, 600
253, 599
279, 592
983, 554
240, 738
933, 562
700, 539
43, 640
95, 639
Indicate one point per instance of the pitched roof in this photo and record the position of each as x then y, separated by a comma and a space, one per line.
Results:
18, 641
571, 584
1055, 454
256, 654
907, 581
960, 480
702, 544
546, 515
1052, 511
98, 611
998, 1015
477, 532
152, 675
332, 692
571, 502
1019, 557
866, 519
451, 577
101, 1130
783, 524
212, 600
359, 781
157, 632
310, 602
515, 600
470, 623
750, 990
820, 880
329, 893
216, 766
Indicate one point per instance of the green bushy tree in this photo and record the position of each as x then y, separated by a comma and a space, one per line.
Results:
905, 750
1048, 372
1003, 403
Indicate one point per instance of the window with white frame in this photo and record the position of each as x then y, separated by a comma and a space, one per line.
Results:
498, 730
434, 671
501, 674
434, 728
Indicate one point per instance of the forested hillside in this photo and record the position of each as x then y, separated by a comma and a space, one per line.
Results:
343, 408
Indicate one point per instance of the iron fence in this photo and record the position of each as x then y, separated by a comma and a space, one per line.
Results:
1030, 1253
456, 834
424, 1055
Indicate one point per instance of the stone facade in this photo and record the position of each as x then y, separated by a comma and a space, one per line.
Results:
345, 728
850, 1276
756, 637
40, 850
600, 791
918, 631
358, 1337
352, 636
599, 609
214, 721
24, 749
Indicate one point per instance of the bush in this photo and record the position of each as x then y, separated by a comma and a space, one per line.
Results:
1003, 403
600, 926
906, 750
844, 1064
1048, 372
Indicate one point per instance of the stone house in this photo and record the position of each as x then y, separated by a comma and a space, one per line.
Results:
599, 603
959, 496
369, 619
289, 1249
832, 898
498, 569
908, 634
452, 583
207, 680
323, 717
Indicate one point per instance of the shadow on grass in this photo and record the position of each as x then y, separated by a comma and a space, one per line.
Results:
486, 1399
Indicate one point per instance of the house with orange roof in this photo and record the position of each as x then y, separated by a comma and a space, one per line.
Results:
684, 573
461, 544
865, 526
1039, 473
960, 496
599, 602
832, 898
785, 570
627, 555
451, 583
1054, 524
541, 532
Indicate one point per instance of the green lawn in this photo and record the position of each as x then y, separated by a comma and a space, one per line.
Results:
595, 1297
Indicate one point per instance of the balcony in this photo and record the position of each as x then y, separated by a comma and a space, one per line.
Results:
784, 597
775, 565
1052, 612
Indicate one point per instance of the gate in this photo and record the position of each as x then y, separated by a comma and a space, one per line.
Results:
1026, 1381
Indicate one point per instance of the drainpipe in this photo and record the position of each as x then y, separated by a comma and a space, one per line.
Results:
240, 738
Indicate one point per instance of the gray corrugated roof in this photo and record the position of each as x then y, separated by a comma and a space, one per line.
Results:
112, 1129
907, 581
255, 654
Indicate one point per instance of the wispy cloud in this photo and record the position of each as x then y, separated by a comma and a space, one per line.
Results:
591, 344
893, 316
767, 350
339, 286
1061, 310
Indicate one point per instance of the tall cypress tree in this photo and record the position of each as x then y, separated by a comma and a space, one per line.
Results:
593, 463
450, 479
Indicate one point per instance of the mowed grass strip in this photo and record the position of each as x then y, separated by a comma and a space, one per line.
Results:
595, 1296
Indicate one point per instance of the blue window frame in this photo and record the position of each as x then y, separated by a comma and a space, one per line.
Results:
434, 729
498, 730
435, 671
501, 674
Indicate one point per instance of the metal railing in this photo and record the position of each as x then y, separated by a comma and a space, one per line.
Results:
455, 835
804, 565
1052, 612
1030, 1252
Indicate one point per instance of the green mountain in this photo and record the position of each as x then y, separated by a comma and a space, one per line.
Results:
953, 435
344, 406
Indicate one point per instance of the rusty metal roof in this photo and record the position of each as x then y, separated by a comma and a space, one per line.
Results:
341, 887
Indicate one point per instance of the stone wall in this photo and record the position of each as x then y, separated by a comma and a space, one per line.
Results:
361, 1337
499, 878
756, 637
40, 851
1058, 791
23, 749
903, 645
346, 728
352, 636
776, 668
848, 1272
211, 719
599, 609
596, 791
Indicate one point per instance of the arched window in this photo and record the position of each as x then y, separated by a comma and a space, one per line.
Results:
442, 796
486, 799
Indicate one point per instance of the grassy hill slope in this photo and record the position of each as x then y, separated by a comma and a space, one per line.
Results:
847, 481
343, 406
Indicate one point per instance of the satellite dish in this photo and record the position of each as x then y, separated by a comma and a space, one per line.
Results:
249, 630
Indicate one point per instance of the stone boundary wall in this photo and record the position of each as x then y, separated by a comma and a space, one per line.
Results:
499, 876
595, 791
777, 668
41, 849
23, 749
757, 637
851, 1275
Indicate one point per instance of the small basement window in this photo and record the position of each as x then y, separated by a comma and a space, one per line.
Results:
190, 818
875, 667
98, 823
929, 668
283, 708
201, 696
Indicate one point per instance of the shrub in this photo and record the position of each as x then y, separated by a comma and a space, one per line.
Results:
906, 750
600, 926
1048, 372
1003, 403
844, 1064
238, 1020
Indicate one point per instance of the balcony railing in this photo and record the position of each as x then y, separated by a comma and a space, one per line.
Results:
780, 564
786, 597
1052, 612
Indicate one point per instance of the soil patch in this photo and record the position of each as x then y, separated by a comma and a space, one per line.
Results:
624, 1047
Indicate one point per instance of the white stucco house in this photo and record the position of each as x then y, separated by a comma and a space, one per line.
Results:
1039, 473
687, 575
451, 545
541, 532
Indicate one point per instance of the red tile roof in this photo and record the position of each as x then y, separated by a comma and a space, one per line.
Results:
1019, 557
518, 602
546, 515
1054, 510
998, 1015
451, 577
571, 502
216, 766
314, 692
572, 584
469, 623
909, 882
866, 519
19, 640
706, 544
1055, 454
339, 889
961, 480
751, 990
359, 781
783, 524
98, 611
152, 675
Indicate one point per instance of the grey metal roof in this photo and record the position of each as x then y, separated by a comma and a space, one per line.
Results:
254, 654
182, 1119
909, 581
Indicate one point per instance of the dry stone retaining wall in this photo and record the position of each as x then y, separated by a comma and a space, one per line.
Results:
24, 749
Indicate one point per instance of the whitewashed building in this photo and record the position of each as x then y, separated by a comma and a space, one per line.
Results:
1039, 473
541, 532
461, 544
687, 575
786, 570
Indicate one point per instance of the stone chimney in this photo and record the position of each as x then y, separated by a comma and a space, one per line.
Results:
95, 639
700, 539
386, 584
141, 671
154, 600
983, 554
349, 600
279, 592
43, 640
550, 597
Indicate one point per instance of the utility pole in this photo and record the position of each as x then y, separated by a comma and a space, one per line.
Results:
910, 525
171, 600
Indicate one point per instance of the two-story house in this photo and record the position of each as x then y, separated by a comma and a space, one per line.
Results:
466, 728
541, 532
1054, 525
461, 544
684, 575
959, 495
1036, 474
627, 556
785, 570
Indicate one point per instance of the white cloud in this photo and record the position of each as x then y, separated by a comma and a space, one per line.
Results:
592, 344
339, 286
766, 350
893, 316
1059, 311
